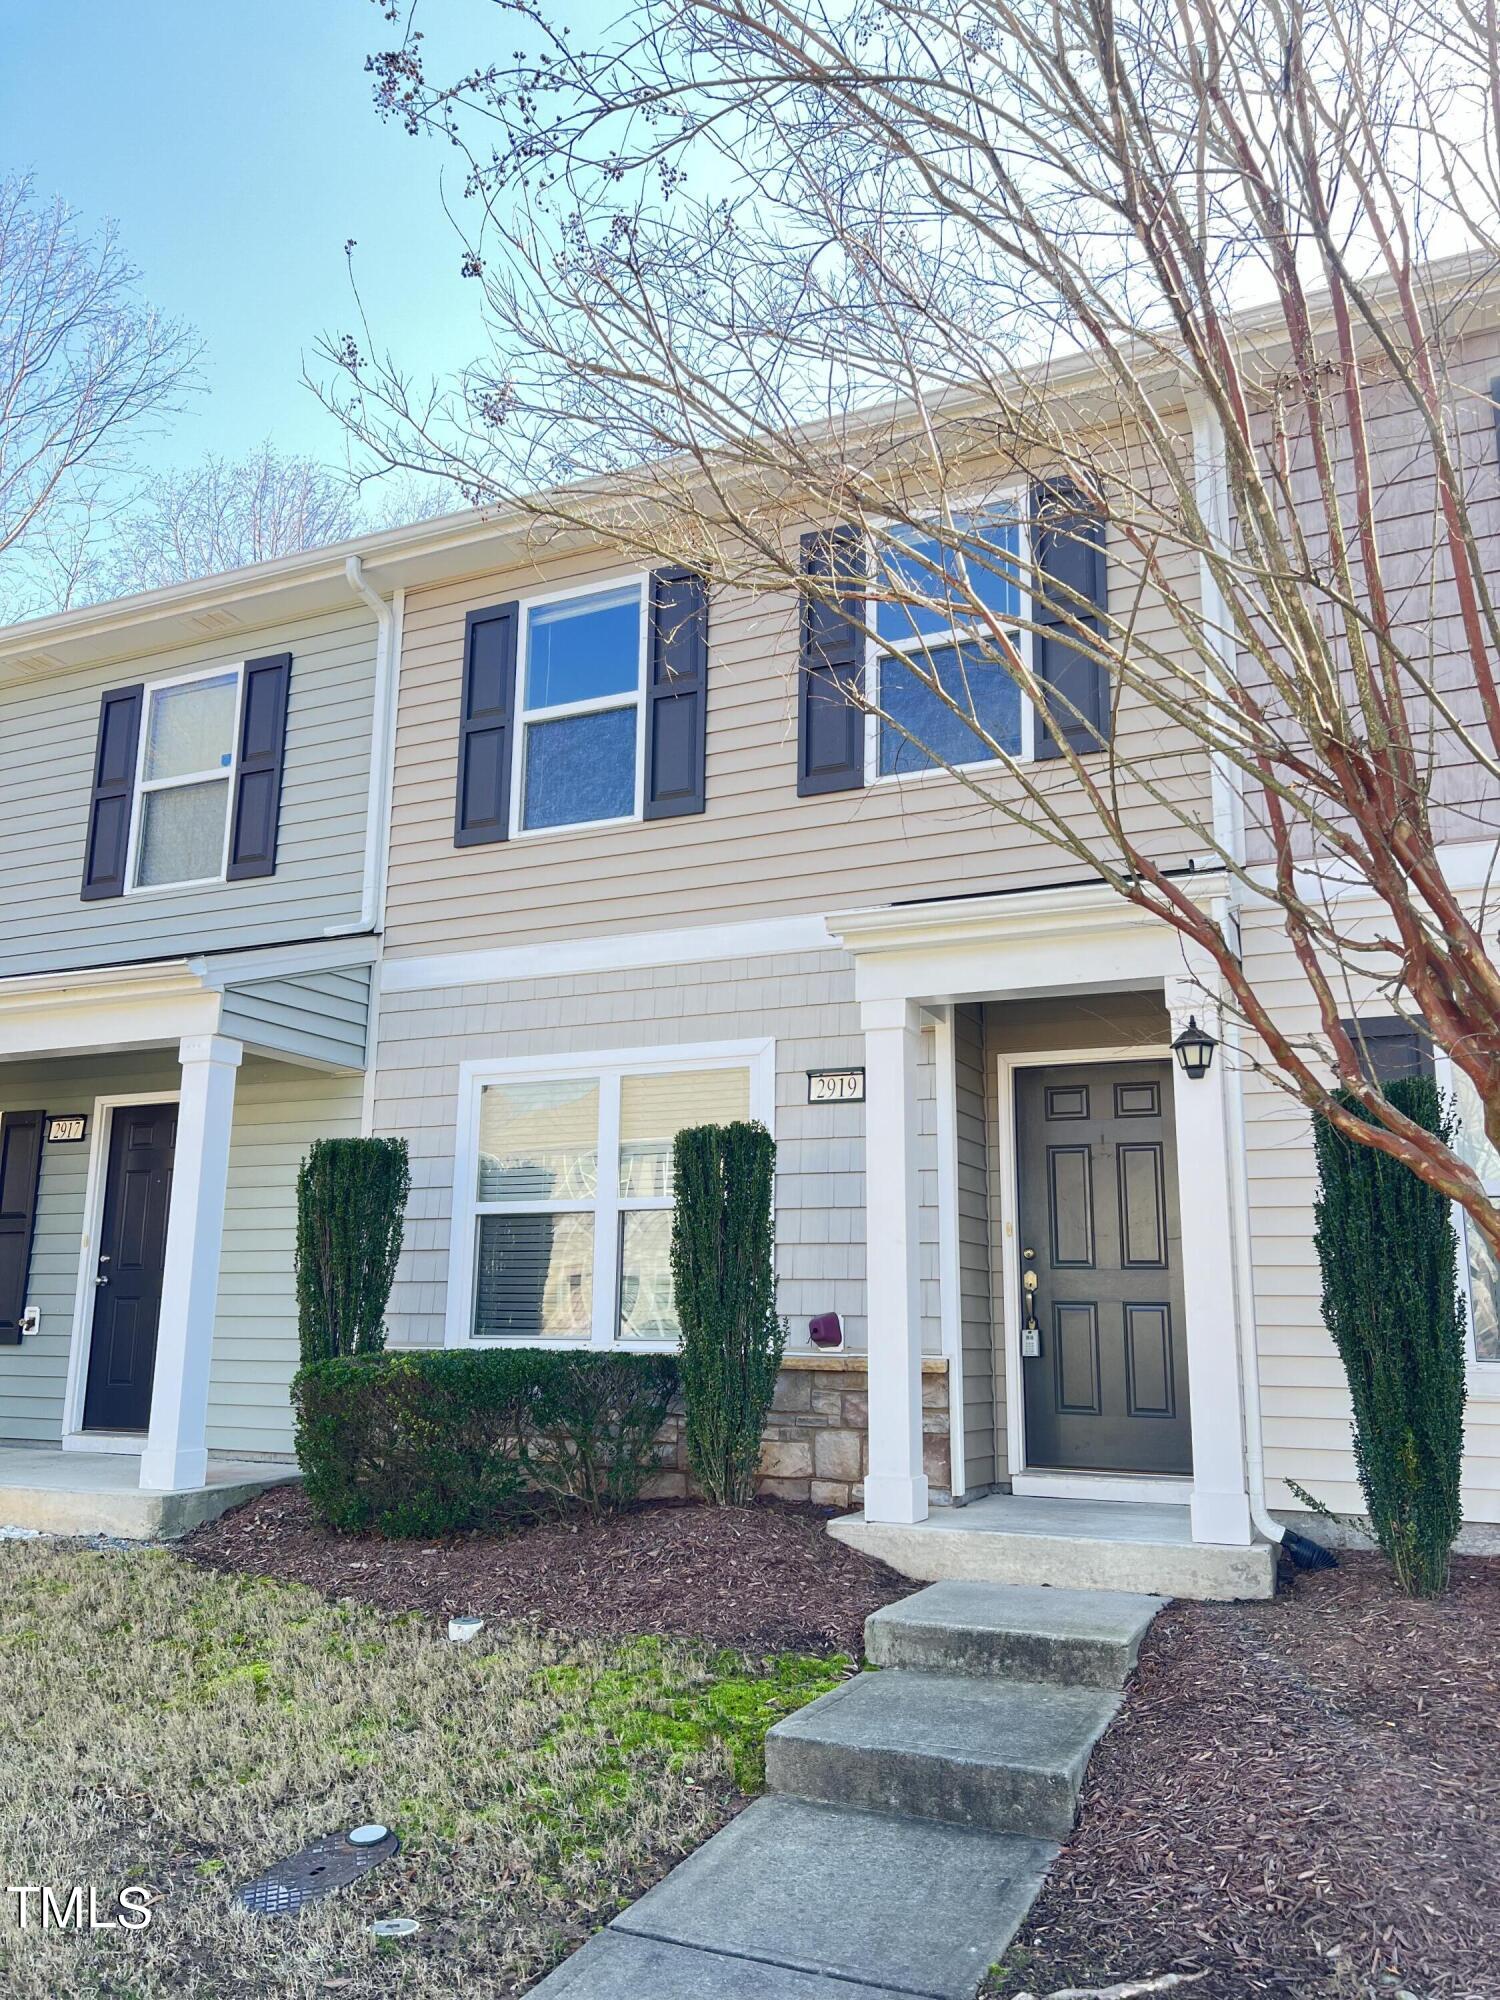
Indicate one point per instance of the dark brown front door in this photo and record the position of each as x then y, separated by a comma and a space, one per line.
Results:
132, 1249
1100, 1227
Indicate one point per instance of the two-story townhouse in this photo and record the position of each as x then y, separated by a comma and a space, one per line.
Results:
642, 875
192, 812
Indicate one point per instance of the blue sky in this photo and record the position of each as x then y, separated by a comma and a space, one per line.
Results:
235, 143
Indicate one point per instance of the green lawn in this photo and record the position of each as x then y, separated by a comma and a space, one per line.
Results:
166, 1726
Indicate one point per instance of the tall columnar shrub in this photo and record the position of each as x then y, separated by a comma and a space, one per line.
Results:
724, 1281
1386, 1244
351, 1206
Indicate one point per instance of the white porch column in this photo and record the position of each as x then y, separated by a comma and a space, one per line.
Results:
176, 1454
1220, 1504
896, 1485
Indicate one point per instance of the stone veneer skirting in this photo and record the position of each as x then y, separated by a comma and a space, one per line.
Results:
816, 1445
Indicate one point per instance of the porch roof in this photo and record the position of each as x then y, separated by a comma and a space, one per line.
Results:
299, 1006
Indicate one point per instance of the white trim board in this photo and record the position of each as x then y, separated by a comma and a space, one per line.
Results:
700, 945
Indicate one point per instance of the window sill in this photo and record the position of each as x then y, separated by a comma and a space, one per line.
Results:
924, 777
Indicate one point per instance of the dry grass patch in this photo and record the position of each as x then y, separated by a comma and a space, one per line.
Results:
168, 1726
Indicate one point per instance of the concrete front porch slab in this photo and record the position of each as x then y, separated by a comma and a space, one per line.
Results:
1067, 1544
858, 1898
99, 1493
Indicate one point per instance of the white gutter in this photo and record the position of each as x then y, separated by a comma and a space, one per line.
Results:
382, 747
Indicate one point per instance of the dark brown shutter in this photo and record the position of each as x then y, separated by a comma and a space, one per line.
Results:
1389, 1048
676, 694
482, 811
257, 778
20, 1172
107, 854
1067, 552
830, 721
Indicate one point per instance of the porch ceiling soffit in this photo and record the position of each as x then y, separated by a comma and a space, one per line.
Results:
1077, 939
104, 1010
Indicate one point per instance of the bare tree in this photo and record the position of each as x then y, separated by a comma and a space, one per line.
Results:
85, 365
758, 265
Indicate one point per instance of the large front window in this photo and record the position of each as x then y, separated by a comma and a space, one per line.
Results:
186, 763
580, 709
940, 681
571, 1185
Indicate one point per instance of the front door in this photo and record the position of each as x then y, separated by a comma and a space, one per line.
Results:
132, 1253
1106, 1386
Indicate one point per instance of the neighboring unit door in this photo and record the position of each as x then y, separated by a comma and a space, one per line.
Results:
1101, 1230
132, 1253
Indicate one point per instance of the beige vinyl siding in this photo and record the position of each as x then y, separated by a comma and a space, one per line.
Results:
805, 1001
48, 729
1303, 1392
279, 1110
757, 849
1418, 576
319, 1017
983, 1441
34, 1376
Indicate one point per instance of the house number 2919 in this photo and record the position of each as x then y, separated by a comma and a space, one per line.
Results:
835, 1086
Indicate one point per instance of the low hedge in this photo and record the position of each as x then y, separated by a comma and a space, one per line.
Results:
433, 1443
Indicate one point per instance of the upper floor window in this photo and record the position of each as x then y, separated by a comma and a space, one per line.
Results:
184, 779
579, 741
936, 674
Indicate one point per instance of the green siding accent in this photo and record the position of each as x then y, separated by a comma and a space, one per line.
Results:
318, 1016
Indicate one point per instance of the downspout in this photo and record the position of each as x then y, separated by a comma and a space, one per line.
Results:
1212, 493
382, 745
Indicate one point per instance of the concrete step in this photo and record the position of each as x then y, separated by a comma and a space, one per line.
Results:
801, 1901
1073, 1638
1067, 1544
1007, 1756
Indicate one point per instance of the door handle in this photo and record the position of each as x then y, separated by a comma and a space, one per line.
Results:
102, 1279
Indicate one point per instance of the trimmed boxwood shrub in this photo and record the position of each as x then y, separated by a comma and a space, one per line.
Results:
434, 1443
1391, 1302
351, 1209
724, 1283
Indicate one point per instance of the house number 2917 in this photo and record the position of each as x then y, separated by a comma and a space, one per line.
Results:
835, 1086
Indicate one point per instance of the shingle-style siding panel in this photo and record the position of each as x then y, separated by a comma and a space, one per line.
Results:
756, 849
319, 1017
278, 1111
1303, 1391
983, 1433
47, 736
804, 1000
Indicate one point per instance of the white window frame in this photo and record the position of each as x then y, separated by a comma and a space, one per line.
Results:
525, 716
611, 1067
142, 785
957, 635
1483, 1376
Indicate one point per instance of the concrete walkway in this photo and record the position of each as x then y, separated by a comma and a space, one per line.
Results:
913, 1814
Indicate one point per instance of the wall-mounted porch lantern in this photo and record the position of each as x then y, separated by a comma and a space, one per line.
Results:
1194, 1049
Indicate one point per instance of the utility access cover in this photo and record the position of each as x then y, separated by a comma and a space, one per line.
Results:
328, 1864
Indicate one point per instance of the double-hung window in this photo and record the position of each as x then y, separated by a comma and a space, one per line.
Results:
579, 743
184, 778
1482, 1274
563, 1209
936, 673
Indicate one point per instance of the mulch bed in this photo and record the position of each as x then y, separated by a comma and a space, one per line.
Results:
765, 1578
1301, 1798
